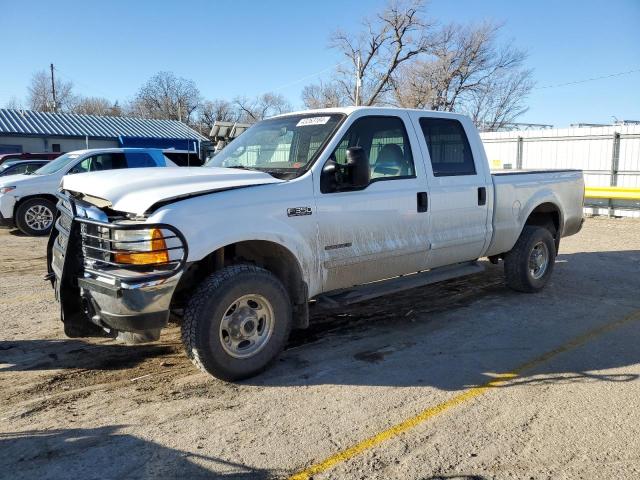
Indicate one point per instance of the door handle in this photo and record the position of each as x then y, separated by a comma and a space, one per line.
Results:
482, 196
423, 202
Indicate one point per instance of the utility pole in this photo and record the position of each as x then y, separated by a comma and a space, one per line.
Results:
358, 80
53, 91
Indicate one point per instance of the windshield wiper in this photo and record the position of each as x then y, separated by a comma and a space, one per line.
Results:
243, 167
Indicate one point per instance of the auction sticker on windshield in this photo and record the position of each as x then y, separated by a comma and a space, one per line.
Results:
313, 121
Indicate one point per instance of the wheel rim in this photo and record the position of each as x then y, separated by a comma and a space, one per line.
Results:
247, 326
538, 260
38, 217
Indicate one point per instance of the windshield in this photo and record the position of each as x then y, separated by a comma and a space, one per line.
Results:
281, 146
57, 164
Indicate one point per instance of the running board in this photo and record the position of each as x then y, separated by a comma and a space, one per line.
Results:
361, 293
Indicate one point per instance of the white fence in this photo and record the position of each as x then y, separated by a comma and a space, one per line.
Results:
609, 156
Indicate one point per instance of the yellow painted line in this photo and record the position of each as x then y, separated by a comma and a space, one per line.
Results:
617, 193
429, 413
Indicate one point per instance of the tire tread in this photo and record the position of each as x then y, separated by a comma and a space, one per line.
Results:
516, 261
204, 291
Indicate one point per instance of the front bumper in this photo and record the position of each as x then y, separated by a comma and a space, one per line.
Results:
127, 307
96, 292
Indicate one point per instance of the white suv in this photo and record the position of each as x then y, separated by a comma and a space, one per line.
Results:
28, 201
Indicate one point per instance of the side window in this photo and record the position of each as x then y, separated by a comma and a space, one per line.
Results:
103, 161
83, 166
386, 143
139, 160
448, 147
108, 161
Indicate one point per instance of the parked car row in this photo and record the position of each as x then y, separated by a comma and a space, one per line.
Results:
28, 200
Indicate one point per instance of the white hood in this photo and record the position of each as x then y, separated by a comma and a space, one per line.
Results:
136, 190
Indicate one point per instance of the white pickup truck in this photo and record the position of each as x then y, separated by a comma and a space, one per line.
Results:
338, 205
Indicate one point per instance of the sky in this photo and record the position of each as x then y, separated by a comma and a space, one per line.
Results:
244, 48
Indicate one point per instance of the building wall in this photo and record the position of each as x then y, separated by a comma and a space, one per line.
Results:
43, 144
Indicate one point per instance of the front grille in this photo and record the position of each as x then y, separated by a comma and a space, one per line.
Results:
99, 245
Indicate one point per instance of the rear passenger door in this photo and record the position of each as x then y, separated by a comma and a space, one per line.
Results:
457, 191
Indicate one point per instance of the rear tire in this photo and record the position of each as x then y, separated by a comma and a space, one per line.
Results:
34, 217
529, 265
237, 322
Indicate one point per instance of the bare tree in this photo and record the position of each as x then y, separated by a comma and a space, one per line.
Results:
96, 106
261, 107
166, 96
393, 37
211, 111
14, 103
40, 93
500, 101
323, 95
468, 71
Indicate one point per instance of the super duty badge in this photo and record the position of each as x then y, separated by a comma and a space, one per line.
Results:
299, 211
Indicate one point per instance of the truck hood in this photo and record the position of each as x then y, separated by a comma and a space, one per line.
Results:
137, 190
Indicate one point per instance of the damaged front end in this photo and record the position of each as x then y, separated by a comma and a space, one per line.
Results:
111, 274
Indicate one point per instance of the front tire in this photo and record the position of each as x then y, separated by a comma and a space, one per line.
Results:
529, 265
34, 217
237, 322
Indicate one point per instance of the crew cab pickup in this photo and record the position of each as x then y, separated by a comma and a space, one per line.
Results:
336, 205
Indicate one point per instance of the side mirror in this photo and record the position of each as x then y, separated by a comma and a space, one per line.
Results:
355, 174
359, 173
329, 178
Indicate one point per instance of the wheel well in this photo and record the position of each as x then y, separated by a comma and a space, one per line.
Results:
268, 255
547, 215
47, 196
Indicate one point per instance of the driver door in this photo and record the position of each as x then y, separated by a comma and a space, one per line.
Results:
379, 231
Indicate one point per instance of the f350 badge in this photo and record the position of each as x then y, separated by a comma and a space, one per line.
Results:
299, 211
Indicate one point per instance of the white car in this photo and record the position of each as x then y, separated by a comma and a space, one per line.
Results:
28, 201
336, 205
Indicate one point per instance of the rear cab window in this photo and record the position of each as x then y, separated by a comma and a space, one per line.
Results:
448, 146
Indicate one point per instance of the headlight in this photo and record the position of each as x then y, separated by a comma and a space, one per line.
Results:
140, 247
6, 189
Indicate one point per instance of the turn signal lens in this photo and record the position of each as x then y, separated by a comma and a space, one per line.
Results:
158, 253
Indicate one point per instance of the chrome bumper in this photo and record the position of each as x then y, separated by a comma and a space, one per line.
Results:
128, 307
93, 288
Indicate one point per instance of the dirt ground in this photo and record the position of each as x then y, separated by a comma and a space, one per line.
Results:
568, 409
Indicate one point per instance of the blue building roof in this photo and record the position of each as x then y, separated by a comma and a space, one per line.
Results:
28, 122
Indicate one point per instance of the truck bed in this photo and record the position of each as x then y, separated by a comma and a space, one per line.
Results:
518, 192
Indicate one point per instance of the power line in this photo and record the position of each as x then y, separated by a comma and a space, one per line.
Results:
588, 79
307, 77
82, 84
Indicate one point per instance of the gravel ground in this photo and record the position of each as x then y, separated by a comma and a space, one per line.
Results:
100, 409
